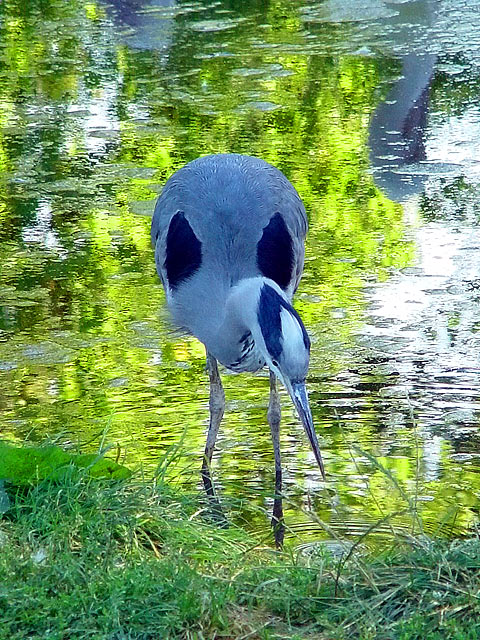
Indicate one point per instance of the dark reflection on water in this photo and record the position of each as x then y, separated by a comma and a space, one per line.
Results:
371, 109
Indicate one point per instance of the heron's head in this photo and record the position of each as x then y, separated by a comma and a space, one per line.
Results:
287, 353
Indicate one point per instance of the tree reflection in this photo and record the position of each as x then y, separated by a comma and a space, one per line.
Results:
93, 120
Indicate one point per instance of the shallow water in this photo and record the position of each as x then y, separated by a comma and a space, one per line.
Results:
371, 109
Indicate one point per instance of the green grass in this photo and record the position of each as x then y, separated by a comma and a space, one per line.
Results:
83, 559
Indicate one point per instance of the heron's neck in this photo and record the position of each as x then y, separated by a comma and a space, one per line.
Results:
239, 320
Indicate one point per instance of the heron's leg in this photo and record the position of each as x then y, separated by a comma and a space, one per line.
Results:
217, 407
274, 414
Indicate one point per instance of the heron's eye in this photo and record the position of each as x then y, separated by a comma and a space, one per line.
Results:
275, 363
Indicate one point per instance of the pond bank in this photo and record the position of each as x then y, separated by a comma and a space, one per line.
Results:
83, 558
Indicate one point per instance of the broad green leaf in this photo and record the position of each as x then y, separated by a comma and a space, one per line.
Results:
27, 465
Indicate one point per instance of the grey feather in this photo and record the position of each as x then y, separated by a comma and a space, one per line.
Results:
228, 232
228, 200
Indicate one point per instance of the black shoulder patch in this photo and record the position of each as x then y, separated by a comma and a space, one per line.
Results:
275, 252
184, 251
270, 305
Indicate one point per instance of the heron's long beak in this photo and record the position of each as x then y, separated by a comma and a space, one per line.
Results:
298, 393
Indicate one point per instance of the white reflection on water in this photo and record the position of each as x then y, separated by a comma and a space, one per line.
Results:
413, 303
457, 141
41, 230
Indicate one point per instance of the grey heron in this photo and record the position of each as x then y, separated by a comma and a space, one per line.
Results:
228, 232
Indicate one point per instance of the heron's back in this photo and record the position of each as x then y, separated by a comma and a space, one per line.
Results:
228, 200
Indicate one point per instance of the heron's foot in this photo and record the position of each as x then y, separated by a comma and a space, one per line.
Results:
216, 513
214, 510
278, 523
207, 480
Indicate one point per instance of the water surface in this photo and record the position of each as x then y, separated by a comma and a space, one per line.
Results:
371, 109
